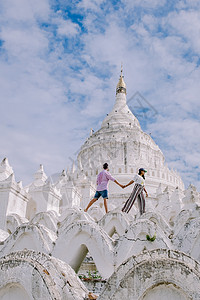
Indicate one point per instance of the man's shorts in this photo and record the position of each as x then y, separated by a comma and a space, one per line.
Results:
103, 193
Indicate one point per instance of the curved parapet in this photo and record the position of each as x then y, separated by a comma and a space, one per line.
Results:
159, 221
73, 215
158, 274
33, 275
76, 240
180, 220
188, 238
135, 240
13, 221
3, 236
96, 213
48, 219
115, 221
33, 237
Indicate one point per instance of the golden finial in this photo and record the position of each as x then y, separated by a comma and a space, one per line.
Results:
121, 86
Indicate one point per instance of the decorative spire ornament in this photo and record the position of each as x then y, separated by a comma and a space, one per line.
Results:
121, 86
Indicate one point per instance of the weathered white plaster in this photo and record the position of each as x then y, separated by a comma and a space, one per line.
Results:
13, 196
28, 236
165, 292
3, 235
155, 275
44, 195
80, 237
5, 169
49, 219
34, 275
13, 221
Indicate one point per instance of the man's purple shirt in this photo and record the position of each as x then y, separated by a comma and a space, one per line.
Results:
102, 180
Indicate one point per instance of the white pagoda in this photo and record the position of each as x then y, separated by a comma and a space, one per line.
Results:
125, 147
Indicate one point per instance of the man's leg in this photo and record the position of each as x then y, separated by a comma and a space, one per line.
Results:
105, 204
90, 203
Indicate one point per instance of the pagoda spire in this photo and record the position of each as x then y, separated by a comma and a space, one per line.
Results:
121, 70
121, 86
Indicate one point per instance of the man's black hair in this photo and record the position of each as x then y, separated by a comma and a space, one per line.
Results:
105, 166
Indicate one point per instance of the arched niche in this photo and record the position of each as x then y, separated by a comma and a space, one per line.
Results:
164, 291
13, 291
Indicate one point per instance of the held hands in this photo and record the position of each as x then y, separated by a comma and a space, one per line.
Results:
123, 186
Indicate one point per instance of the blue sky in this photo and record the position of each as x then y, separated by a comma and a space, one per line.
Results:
59, 65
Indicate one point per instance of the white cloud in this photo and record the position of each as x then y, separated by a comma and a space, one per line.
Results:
187, 25
20, 43
150, 21
187, 4
90, 4
67, 28
144, 3
25, 11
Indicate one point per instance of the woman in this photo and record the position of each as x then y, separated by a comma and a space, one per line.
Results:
137, 192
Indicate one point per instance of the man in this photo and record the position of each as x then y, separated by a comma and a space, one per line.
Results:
102, 187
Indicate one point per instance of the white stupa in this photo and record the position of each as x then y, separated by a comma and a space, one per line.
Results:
125, 147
